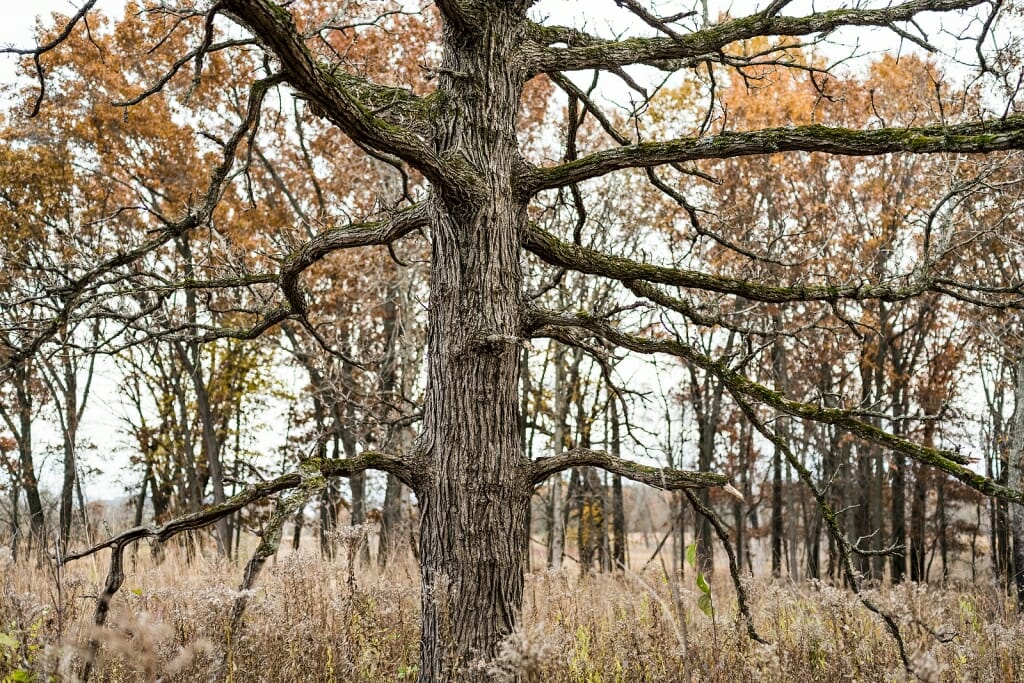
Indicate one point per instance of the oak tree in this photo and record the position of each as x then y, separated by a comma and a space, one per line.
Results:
458, 137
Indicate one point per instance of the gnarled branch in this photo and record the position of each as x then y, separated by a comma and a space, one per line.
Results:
975, 137
584, 51
369, 460
949, 462
349, 102
401, 223
659, 477
557, 252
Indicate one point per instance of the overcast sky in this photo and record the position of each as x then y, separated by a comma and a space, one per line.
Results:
19, 20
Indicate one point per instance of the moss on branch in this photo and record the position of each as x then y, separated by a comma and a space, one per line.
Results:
659, 477
950, 462
975, 137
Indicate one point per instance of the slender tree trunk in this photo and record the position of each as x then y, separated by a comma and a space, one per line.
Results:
739, 515
917, 526
620, 540
70, 429
298, 521
191, 357
357, 482
29, 482
15, 514
328, 519
475, 494
1016, 481
878, 514
390, 521
780, 374
898, 560
777, 529
140, 500
556, 530
943, 530
391, 513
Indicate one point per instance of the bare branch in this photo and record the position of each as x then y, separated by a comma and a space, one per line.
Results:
356, 235
949, 462
976, 137
70, 293
585, 260
367, 460
659, 477
40, 50
587, 52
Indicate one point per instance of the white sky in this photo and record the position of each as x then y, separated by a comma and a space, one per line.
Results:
19, 20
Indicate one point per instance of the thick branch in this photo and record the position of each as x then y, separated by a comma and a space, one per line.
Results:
948, 461
846, 548
658, 477
976, 137
585, 260
349, 102
356, 235
588, 52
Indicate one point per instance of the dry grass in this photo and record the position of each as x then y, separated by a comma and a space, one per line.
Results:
308, 621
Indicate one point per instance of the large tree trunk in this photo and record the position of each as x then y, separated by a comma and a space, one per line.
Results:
475, 492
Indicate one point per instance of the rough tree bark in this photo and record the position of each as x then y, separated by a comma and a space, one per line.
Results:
475, 498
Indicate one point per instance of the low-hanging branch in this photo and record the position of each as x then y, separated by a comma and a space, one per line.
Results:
950, 462
369, 460
658, 477
831, 518
975, 137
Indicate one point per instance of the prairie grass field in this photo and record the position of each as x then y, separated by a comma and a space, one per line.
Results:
312, 619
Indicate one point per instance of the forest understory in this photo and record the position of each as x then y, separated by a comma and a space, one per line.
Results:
315, 619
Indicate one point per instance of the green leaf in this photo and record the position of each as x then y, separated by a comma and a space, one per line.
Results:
19, 675
691, 554
7, 641
702, 584
705, 604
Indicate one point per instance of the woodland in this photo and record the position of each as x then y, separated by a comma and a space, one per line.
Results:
467, 296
